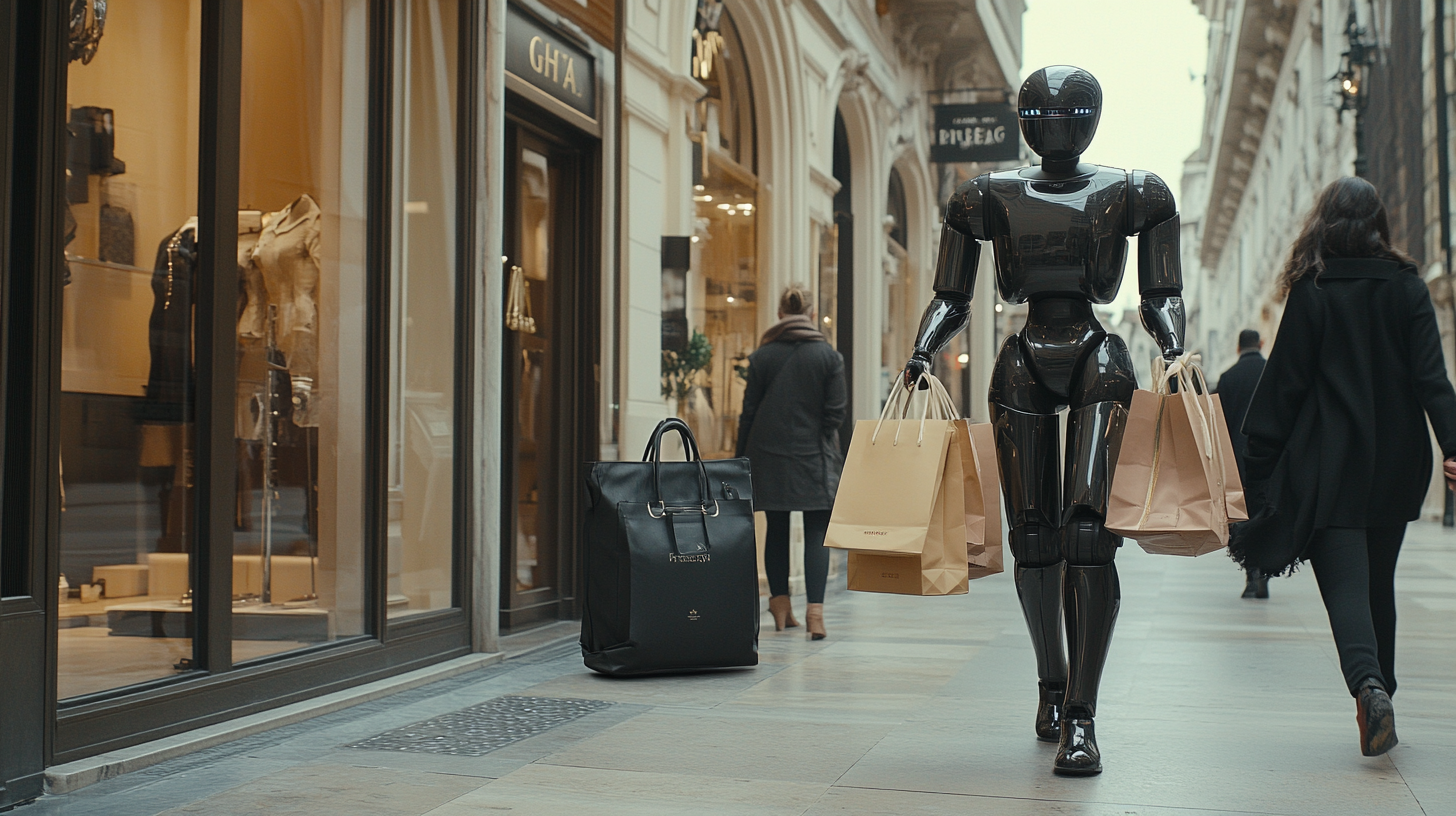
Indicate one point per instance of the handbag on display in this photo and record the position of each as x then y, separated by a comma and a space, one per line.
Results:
670, 561
1176, 487
901, 505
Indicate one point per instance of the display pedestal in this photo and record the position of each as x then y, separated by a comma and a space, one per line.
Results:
257, 622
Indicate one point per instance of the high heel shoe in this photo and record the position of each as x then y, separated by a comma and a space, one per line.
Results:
1376, 717
783, 613
814, 614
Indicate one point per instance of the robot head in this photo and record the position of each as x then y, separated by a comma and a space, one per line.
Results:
1059, 107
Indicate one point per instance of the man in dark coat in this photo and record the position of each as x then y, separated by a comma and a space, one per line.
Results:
1235, 389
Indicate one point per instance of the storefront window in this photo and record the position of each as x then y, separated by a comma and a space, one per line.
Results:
298, 554
899, 321
422, 416
127, 380
723, 286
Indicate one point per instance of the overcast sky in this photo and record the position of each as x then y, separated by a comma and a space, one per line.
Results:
1149, 57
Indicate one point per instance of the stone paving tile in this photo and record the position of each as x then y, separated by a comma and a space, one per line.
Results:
335, 790
840, 801
1210, 704
543, 790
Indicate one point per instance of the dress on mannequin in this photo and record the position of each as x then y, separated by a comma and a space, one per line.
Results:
165, 411
287, 258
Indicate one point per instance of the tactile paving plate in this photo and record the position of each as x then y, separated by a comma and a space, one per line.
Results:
480, 729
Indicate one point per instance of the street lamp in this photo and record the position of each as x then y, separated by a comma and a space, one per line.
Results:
1354, 71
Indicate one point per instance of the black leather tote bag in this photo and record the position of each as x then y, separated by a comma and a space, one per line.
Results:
671, 563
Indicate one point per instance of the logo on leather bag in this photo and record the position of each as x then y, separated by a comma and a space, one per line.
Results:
874, 532
701, 558
693, 614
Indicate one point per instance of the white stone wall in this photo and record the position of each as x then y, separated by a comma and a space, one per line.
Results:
1302, 148
807, 60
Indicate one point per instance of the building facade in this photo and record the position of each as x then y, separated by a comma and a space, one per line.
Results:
1274, 136
313, 309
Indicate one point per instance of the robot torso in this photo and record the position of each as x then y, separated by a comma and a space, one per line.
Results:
1060, 237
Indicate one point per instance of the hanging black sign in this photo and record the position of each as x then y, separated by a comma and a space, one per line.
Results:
975, 133
543, 58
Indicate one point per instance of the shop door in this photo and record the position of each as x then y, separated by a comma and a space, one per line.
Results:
547, 419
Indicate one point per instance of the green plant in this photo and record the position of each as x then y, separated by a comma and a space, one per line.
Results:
679, 368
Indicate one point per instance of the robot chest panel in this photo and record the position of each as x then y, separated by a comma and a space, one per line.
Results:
1061, 237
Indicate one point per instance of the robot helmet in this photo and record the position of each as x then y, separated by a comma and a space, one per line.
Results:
1059, 107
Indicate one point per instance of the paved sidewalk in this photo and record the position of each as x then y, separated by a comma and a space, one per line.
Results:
1210, 704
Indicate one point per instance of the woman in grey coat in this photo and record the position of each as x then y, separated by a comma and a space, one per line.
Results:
793, 406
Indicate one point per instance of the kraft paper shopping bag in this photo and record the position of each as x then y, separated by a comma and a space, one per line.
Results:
1176, 484
900, 509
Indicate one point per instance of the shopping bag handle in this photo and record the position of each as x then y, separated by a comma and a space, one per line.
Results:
706, 505
903, 397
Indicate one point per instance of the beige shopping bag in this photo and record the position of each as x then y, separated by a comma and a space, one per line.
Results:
983, 500
1176, 484
900, 509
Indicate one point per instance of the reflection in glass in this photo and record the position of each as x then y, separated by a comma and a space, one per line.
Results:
723, 285
127, 378
298, 571
900, 319
534, 377
422, 423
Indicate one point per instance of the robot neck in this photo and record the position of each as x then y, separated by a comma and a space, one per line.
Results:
1060, 167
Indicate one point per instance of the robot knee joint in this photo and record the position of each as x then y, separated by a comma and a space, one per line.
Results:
1033, 545
1086, 543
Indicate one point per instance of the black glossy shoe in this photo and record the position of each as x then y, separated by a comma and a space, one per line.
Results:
1077, 753
1049, 713
1376, 716
1256, 585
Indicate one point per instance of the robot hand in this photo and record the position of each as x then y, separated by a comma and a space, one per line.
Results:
916, 366
1172, 353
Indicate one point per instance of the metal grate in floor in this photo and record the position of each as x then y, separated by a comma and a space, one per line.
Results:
480, 729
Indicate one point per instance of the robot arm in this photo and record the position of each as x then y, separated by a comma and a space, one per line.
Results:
955, 279
1154, 218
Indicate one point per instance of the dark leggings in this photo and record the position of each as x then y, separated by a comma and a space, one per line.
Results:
816, 555
1355, 568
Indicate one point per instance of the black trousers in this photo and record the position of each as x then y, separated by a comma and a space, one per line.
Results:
816, 555
1355, 568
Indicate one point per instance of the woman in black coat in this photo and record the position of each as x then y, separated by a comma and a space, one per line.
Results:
1337, 433
792, 409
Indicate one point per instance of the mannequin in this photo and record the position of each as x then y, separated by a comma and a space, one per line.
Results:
1060, 232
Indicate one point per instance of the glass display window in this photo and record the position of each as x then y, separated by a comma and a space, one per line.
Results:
422, 395
128, 398
724, 282
900, 317
298, 545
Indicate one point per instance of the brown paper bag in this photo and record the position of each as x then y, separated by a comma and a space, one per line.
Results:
983, 501
900, 509
1172, 490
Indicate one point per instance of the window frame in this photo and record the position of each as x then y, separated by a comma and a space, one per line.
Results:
34, 40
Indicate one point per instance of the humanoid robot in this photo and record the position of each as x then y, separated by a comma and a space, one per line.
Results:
1059, 232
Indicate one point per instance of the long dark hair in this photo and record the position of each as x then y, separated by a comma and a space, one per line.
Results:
1348, 220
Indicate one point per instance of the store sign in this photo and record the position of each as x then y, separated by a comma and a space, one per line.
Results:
546, 60
975, 133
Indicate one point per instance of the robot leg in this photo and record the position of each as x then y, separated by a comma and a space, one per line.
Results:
1026, 438
1100, 394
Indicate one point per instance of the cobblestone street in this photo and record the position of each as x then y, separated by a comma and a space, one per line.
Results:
1211, 704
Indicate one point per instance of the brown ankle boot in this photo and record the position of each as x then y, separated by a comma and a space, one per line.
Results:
814, 614
783, 613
